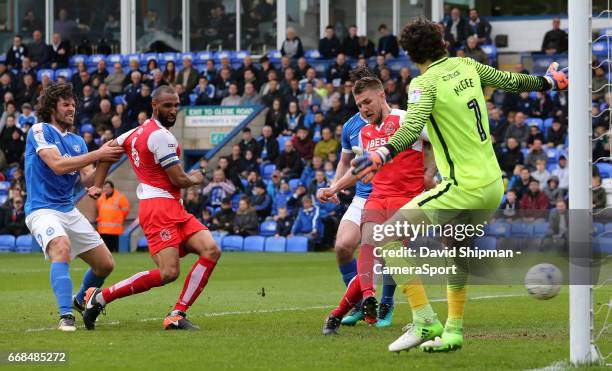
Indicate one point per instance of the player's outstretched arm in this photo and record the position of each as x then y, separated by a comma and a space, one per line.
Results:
64, 165
181, 179
517, 82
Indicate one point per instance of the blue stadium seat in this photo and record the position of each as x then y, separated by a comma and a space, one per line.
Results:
497, 229
142, 244
267, 228
114, 58
76, 59
192, 99
232, 243
167, 57
254, 243
186, 55
605, 169
534, 120
294, 183
66, 72
312, 54
203, 57
3, 58
238, 56
274, 244
525, 152
598, 228
24, 244
608, 227
218, 238
3, 199
131, 57
7, 243
603, 243
87, 128
553, 155
275, 55
236, 200
4, 187
540, 229
44, 72
485, 243
519, 229
267, 171
606, 31
119, 99
490, 50
216, 210
297, 244
551, 167
222, 54
281, 139
92, 60
320, 65
600, 48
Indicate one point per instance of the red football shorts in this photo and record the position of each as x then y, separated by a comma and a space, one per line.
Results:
166, 224
379, 210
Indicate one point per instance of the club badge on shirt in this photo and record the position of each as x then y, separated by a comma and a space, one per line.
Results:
415, 96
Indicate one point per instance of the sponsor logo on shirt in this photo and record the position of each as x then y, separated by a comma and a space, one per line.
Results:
415, 96
76, 148
165, 235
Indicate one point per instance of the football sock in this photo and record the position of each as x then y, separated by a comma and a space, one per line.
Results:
348, 271
62, 286
195, 282
366, 269
388, 289
138, 283
456, 292
89, 280
351, 297
417, 298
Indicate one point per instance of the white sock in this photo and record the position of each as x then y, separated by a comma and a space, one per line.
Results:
100, 298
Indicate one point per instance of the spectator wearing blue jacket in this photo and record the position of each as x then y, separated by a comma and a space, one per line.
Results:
308, 221
262, 201
309, 172
282, 196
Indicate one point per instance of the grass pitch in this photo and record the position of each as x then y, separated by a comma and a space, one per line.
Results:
265, 311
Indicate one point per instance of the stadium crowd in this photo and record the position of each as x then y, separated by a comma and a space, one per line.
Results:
274, 177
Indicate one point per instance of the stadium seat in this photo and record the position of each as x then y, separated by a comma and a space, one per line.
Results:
192, 99
44, 72
164, 58
540, 229
232, 243
535, 121
119, 99
65, 72
254, 243
553, 155
497, 229
7, 243
551, 167
297, 244
132, 57
114, 58
218, 238
608, 227
519, 229
186, 55
600, 48
320, 65
222, 54
525, 152
142, 244
216, 210
267, 228
486, 243
3, 199
274, 244
294, 183
547, 125
92, 60
4, 187
603, 243
275, 55
267, 171
312, 54
281, 141
236, 200
76, 59
490, 50
238, 56
607, 31
605, 169
598, 228
24, 244
202, 58
87, 128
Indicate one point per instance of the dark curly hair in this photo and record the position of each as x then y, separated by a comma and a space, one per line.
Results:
423, 41
47, 102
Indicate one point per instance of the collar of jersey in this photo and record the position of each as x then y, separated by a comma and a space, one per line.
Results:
58, 130
436, 63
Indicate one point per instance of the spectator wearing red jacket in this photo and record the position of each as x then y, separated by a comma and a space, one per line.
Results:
303, 143
533, 201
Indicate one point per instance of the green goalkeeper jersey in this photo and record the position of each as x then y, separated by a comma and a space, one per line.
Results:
449, 99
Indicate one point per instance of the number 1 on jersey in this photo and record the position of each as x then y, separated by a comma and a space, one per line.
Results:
473, 104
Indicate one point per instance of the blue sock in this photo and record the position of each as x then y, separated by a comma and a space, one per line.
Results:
62, 286
388, 289
348, 270
89, 280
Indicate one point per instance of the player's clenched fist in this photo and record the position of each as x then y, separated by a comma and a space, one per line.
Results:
327, 194
196, 176
366, 166
94, 192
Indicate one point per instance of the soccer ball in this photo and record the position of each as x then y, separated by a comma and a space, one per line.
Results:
543, 281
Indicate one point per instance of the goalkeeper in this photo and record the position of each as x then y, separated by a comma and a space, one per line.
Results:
448, 97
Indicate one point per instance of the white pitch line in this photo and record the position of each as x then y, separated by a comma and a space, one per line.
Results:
265, 311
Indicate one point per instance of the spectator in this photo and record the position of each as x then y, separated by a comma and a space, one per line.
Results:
12, 143
556, 134
292, 46
102, 119
329, 46
552, 190
387, 44
348, 100
27, 117
233, 99
88, 137
521, 186
535, 153
289, 162
302, 68
268, 145
26, 69
511, 157
192, 203
218, 189
184, 99
308, 174
141, 102
534, 200
113, 208
205, 217
510, 205
473, 50
599, 83
16, 52
234, 160
188, 76
338, 72
265, 67
543, 106
283, 195
27, 92
273, 187
599, 193
479, 27
284, 222
518, 129
100, 72
392, 94
114, 80
248, 143
247, 65
170, 75
251, 96
223, 82
319, 181
562, 173
327, 144
14, 219
59, 53
245, 221
224, 218
210, 72
555, 40
308, 222
309, 97
456, 30
303, 144
205, 92
350, 44
541, 174
558, 227
366, 47
157, 80
525, 104
337, 114
261, 201
275, 117
88, 105
294, 118
248, 163
38, 50
534, 133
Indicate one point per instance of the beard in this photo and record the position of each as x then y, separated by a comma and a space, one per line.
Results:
164, 121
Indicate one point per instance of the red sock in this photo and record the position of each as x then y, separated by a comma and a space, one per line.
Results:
140, 282
350, 298
194, 283
365, 269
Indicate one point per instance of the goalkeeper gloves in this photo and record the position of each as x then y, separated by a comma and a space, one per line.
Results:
557, 79
366, 166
